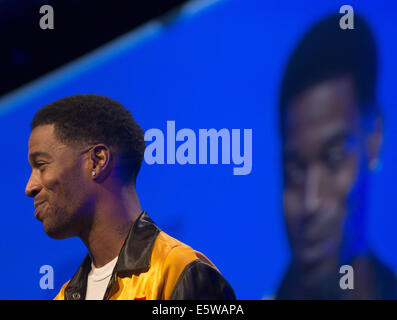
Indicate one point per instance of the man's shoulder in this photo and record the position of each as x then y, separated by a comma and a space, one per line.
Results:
187, 273
61, 293
174, 252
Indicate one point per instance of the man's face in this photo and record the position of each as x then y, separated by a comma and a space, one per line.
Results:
57, 184
322, 151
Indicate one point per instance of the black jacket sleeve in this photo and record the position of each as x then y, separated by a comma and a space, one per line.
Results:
200, 281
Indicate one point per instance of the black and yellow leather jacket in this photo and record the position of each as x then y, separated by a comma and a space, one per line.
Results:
154, 266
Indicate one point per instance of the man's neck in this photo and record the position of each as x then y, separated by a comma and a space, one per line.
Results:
105, 242
112, 220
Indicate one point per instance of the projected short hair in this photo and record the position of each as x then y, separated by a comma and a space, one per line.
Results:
85, 119
326, 51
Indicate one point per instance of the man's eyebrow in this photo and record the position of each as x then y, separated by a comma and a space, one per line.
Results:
36, 154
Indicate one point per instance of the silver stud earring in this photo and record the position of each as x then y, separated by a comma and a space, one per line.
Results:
93, 173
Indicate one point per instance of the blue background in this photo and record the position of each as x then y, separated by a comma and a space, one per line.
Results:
218, 64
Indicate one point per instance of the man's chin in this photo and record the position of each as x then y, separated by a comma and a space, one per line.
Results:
56, 232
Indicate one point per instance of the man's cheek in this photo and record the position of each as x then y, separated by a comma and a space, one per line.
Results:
50, 183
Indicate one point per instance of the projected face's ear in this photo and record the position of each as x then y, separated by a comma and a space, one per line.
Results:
374, 144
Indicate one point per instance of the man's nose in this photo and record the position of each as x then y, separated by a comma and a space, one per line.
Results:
312, 189
33, 186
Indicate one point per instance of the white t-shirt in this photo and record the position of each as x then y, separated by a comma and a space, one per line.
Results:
98, 280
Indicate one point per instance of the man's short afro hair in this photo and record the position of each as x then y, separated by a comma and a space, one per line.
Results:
85, 119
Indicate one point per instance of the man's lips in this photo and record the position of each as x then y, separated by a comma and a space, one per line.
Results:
38, 206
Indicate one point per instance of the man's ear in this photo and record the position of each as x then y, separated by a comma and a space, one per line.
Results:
100, 162
374, 143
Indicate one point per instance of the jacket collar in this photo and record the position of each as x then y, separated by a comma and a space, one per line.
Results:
134, 256
137, 249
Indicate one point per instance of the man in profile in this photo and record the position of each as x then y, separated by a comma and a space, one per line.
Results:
331, 132
85, 152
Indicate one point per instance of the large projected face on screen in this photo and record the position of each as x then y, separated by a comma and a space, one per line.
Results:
321, 159
325, 152
332, 134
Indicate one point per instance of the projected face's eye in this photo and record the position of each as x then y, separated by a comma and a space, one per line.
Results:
335, 157
337, 153
294, 172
